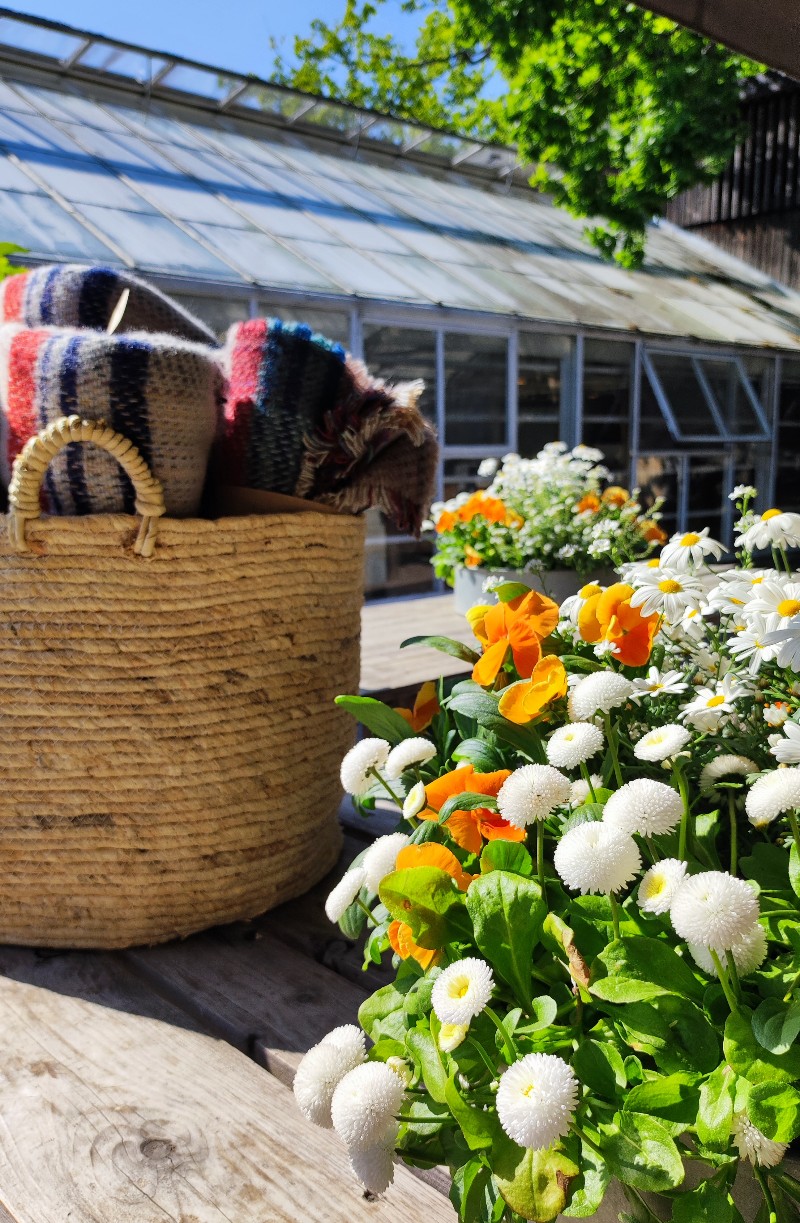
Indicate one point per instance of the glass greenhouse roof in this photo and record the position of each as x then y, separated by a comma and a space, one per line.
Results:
114, 153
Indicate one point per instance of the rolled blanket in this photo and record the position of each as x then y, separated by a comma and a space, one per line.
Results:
69, 295
162, 393
305, 419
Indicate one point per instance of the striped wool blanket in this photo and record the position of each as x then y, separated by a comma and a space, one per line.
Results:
164, 394
69, 295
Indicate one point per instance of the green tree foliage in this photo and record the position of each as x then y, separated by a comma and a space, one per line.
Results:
619, 110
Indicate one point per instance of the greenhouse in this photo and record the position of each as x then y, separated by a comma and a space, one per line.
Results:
422, 252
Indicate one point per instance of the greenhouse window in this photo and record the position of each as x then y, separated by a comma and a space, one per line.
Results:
705, 398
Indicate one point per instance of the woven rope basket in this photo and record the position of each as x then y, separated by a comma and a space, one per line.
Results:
169, 746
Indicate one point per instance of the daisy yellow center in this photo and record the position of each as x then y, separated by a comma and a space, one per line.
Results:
656, 886
765, 517
569, 737
788, 607
713, 701
690, 539
655, 737
669, 586
459, 987
652, 564
757, 581
737, 602
529, 1090
656, 687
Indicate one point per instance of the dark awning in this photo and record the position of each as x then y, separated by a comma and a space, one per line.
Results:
766, 30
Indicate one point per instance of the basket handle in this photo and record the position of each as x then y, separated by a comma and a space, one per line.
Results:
34, 458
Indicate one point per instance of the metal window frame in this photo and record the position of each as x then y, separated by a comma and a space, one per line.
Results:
649, 353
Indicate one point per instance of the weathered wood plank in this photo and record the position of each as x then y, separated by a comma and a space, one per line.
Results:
110, 1116
385, 624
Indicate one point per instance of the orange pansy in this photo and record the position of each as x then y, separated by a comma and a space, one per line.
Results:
472, 559
426, 707
523, 702
431, 853
518, 626
610, 617
469, 828
446, 521
589, 502
616, 495
401, 940
652, 531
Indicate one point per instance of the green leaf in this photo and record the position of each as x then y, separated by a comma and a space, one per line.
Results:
715, 1112
752, 1060
482, 708
429, 901
600, 1066
426, 1054
377, 717
506, 856
535, 1184
776, 1025
794, 869
382, 1015
643, 968
544, 1010
774, 1108
673, 1099
468, 801
511, 590
445, 645
673, 1031
705, 1204
468, 1191
589, 1187
768, 866
482, 756
641, 1152
507, 912
480, 1129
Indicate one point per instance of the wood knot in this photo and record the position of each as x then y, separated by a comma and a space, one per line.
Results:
157, 1148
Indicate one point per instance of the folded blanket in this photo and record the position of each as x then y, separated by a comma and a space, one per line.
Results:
69, 295
164, 394
303, 418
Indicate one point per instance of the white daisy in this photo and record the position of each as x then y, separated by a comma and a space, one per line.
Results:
406, 754
690, 548
644, 806
776, 714
771, 795
536, 1100
357, 766
323, 1068
365, 1104
749, 953
772, 530
462, 990
787, 640
373, 1166
531, 793
750, 641
657, 683
787, 750
599, 692
775, 596
668, 592
711, 706
571, 745
595, 857
755, 1146
714, 909
662, 742
725, 766
345, 892
580, 791
380, 858
660, 884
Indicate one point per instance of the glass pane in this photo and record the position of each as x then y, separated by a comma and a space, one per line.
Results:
391, 132
653, 431
332, 324
461, 476
264, 259
136, 65
264, 97
684, 395
44, 228
217, 312
475, 389
735, 406
539, 378
154, 242
393, 567
64, 105
55, 44
787, 482
606, 403
187, 200
199, 81
400, 354
87, 182
337, 118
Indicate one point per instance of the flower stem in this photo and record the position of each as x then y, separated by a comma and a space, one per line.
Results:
792, 984
765, 1189
724, 982
386, 787
587, 777
612, 747
615, 912
734, 971
684, 829
508, 1045
734, 831
795, 828
368, 912
540, 857
584, 1137
484, 1056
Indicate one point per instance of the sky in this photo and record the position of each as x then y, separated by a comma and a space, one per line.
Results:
231, 35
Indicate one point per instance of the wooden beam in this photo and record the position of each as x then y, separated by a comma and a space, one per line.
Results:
766, 30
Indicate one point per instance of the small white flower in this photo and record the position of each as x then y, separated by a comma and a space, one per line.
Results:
462, 990
644, 806
660, 884
379, 860
373, 1166
690, 548
589, 454
599, 692
408, 753
594, 857
740, 491
536, 1100
415, 801
487, 467
451, 1035
656, 683
749, 953
345, 892
723, 767
323, 1068
365, 1104
787, 750
751, 641
772, 530
531, 793
668, 592
755, 1146
775, 715
714, 909
712, 705
771, 795
580, 791
788, 642
573, 744
355, 772
662, 742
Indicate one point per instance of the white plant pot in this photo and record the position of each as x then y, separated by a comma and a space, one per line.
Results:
557, 584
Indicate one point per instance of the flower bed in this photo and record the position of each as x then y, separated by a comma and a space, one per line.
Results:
592, 903
553, 512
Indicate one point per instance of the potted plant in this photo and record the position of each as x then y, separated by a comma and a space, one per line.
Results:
592, 903
553, 522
